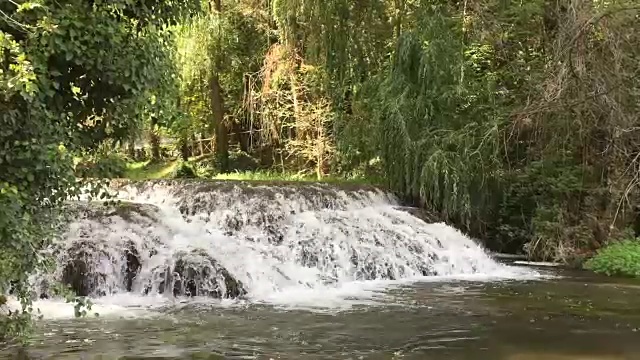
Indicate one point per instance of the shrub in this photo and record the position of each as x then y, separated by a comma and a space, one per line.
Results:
184, 171
241, 161
102, 166
618, 258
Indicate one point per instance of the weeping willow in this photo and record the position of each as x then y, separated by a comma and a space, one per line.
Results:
195, 60
337, 34
439, 145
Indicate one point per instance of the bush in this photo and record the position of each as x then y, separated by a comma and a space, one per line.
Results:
205, 170
184, 171
619, 258
241, 161
102, 166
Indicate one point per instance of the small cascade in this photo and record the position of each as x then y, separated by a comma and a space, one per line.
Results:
263, 242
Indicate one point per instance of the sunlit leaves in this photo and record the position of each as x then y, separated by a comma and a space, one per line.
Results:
73, 74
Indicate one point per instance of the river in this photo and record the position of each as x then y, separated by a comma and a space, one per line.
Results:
235, 270
571, 317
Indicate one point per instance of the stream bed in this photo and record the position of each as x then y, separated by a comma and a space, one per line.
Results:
574, 316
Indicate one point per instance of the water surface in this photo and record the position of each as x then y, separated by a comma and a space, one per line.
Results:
578, 316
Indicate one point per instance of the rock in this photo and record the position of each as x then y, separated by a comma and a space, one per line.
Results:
420, 213
132, 265
78, 272
195, 273
101, 211
89, 266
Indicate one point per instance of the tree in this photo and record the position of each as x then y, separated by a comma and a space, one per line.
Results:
217, 101
73, 75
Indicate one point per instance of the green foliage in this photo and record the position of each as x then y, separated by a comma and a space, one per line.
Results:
73, 74
230, 45
102, 165
240, 161
184, 170
437, 132
502, 117
515, 121
617, 258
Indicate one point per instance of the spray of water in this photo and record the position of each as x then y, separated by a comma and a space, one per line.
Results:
287, 245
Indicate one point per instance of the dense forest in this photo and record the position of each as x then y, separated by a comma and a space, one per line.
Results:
515, 121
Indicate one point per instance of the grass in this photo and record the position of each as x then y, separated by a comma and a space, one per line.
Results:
165, 169
264, 175
147, 170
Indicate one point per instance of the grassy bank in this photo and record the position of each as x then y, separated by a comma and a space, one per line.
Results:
171, 168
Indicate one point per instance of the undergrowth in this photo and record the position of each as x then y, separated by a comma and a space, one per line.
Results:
621, 258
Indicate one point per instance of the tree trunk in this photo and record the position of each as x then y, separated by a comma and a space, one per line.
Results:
184, 148
217, 107
201, 144
154, 139
192, 144
131, 149
222, 136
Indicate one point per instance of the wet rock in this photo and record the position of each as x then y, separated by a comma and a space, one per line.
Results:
79, 272
420, 213
274, 236
195, 273
132, 265
371, 270
233, 223
101, 211
89, 266
308, 257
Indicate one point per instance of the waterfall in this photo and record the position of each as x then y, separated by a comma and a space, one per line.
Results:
285, 244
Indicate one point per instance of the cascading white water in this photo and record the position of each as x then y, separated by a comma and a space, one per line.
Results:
311, 245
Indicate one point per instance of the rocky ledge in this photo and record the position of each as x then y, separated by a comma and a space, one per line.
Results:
107, 245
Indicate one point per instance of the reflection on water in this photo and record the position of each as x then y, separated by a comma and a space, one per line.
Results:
578, 317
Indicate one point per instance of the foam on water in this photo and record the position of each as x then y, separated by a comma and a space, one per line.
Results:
293, 246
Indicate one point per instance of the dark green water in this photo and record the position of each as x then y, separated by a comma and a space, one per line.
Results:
580, 316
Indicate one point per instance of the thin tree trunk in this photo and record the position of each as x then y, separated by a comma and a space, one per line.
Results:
222, 136
400, 10
217, 106
184, 148
201, 145
131, 149
154, 139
